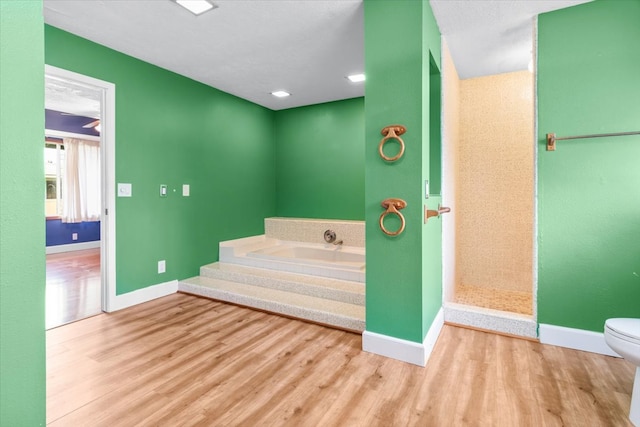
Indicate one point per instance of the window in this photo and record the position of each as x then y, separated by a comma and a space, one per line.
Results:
54, 158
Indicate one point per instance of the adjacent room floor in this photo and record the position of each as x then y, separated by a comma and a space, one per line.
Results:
73, 286
184, 360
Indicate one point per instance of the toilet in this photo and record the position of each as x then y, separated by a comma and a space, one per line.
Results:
623, 336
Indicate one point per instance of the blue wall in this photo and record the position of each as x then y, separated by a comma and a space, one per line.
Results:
59, 233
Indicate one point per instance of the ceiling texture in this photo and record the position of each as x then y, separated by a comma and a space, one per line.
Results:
69, 97
250, 48
488, 37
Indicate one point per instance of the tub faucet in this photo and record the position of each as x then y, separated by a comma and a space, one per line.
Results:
330, 237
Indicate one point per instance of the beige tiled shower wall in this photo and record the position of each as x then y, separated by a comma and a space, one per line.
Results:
495, 190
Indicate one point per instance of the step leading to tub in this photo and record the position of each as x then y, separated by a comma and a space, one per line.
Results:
326, 311
320, 287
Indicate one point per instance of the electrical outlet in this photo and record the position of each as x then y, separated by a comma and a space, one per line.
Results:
162, 266
74, 236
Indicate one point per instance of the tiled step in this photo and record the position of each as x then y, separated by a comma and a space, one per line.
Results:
320, 310
320, 287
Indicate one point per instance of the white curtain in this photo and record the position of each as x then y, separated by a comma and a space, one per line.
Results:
81, 190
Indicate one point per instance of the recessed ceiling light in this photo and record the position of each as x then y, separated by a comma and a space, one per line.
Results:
280, 93
356, 78
197, 7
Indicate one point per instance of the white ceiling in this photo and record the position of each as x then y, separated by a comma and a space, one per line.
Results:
70, 97
250, 48
246, 48
488, 37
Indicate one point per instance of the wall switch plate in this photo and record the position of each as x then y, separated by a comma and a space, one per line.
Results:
163, 190
74, 236
185, 190
124, 189
162, 266
426, 188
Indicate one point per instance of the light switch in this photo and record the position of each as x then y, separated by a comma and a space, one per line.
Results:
185, 190
163, 190
124, 189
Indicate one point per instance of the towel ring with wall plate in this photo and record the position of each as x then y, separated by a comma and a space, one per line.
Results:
392, 206
392, 132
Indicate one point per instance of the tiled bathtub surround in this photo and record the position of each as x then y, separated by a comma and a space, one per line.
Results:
291, 270
249, 251
312, 230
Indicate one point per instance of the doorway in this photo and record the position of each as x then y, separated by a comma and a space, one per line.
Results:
80, 245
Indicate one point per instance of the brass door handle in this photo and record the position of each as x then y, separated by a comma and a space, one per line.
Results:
431, 213
392, 132
392, 206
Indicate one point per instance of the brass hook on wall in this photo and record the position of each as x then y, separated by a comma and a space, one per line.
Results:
392, 132
392, 206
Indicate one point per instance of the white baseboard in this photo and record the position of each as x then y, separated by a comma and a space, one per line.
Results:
403, 350
577, 339
72, 247
432, 334
119, 302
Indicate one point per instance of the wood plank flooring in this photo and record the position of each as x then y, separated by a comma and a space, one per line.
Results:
187, 361
73, 286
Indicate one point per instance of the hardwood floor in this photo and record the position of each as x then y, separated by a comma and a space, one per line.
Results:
73, 286
187, 361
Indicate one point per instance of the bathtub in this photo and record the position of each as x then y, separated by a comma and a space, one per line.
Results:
325, 260
304, 254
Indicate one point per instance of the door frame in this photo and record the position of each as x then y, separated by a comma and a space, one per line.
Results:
108, 174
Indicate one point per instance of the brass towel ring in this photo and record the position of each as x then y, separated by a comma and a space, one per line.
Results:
392, 132
393, 206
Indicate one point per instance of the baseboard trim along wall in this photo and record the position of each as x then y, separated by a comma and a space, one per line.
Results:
576, 339
432, 334
119, 302
403, 350
72, 247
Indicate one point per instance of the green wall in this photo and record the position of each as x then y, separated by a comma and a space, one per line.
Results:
589, 189
172, 130
431, 169
22, 261
402, 296
320, 160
